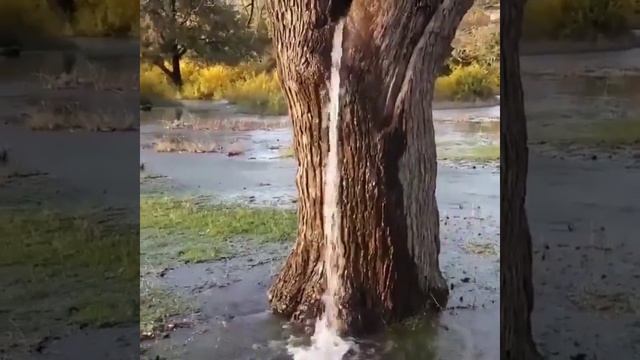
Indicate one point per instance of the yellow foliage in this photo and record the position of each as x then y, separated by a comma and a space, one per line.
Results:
107, 17
245, 85
542, 18
261, 92
153, 83
468, 83
552, 19
28, 16
255, 90
203, 81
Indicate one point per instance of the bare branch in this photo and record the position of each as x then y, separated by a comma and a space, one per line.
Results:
159, 62
251, 6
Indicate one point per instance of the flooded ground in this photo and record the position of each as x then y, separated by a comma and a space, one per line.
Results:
57, 185
233, 321
583, 202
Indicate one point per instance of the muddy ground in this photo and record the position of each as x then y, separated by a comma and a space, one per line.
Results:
231, 318
583, 202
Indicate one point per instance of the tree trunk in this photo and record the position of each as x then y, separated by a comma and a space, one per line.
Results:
176, 73
389, 232
515, 272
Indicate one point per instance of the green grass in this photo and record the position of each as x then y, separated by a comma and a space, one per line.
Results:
181, 230
54, 267
606, 133
157, 307
477, 153
625, 132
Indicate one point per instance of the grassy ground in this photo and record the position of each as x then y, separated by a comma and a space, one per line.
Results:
600, 134
53, 266
184, 231
477, 153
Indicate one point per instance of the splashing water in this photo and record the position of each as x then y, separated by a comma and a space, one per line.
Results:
325, 342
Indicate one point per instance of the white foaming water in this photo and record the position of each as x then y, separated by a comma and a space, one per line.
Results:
325, 342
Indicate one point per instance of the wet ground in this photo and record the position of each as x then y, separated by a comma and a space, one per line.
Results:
234, 322
66, 174
583, 203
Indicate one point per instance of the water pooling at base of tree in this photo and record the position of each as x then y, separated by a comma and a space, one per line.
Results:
325, 342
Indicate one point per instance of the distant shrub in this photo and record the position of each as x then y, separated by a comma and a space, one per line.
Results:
474, 18
480, 45
202, 81
261, 93
247, 85
472, 71
467, 83
154, 84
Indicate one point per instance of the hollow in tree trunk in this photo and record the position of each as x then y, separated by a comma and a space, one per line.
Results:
515, 273
389, 233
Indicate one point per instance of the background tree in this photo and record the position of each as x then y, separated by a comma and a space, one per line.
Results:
515, 272
390, 223
171, 29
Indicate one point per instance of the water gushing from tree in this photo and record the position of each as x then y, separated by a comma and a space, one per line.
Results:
325, 342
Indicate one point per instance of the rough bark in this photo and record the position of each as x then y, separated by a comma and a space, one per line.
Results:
390, 225
515, 272
176, 72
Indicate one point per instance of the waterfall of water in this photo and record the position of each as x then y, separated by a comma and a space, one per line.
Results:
325, 342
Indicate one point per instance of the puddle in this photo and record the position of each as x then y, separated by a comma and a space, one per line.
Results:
98, 165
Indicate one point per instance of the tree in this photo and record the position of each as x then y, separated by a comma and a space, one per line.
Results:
390, 225
207, 28
515, 272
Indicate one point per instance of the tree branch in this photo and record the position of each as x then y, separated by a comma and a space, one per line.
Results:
159, 62
444, 24
440, 31
250, 6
